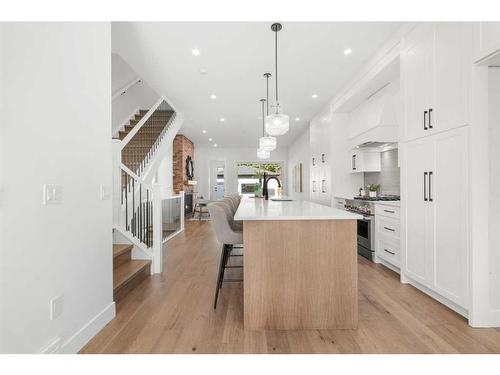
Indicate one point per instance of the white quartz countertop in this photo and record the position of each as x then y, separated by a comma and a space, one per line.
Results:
389, 203
260, 209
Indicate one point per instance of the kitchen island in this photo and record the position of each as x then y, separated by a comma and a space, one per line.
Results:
300, 265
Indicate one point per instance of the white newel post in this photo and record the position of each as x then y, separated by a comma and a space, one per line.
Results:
157, 230
182, 210
116, 192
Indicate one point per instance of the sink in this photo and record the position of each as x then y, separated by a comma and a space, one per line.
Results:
281, 199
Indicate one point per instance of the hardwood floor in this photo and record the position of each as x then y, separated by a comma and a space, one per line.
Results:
172, 313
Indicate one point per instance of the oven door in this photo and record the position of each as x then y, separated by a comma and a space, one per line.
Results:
365, 234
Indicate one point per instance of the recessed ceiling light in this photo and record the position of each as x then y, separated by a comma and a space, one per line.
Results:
222, 119
213, 96
297, 118
347, 51
204, 131
210, 139
195, 52
215, 144
314, 96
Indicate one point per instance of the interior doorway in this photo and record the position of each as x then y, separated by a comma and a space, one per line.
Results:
217, 179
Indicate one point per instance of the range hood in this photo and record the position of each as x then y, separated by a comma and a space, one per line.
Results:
375, 122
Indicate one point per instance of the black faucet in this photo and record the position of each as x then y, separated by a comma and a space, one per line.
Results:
265, 192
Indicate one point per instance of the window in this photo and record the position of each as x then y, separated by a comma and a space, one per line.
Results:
250, 177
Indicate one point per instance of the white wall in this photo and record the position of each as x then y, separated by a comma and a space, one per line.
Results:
56, 123
299, 152
139, 96
203, 155
164, 175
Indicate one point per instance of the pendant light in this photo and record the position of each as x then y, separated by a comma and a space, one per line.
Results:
276, 123
266, 142
262, 153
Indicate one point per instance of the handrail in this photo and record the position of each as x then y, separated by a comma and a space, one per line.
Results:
125, 88
141, 123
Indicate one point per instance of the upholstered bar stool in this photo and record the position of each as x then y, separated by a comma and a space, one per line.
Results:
228, 237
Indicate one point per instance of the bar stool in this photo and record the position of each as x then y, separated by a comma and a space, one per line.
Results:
228, 237
235, 224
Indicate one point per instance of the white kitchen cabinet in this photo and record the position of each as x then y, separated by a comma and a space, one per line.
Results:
320, 166
387, 234
486, 40
365, 161
435, 192
435, 78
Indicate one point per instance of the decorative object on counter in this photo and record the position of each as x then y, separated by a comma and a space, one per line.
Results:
362, 192
297, 178
257, 190
373, 190
277, 123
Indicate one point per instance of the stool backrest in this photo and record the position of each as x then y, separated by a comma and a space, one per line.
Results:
221, 224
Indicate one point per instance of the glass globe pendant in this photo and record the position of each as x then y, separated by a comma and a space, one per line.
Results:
267, 143
277, 123
263, 154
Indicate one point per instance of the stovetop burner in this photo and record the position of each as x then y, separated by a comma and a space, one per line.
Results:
380, 198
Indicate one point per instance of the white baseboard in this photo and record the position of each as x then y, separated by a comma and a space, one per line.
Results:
88, 331
451, 305
494, 318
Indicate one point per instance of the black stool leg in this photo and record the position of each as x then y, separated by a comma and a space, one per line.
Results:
221, 273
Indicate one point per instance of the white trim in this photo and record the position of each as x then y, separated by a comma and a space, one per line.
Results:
89, 330
451, 305
125, 88
137, 244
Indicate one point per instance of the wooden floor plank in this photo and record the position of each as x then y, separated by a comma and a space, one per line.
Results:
173, 313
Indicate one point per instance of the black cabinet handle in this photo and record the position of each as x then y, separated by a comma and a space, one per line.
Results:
425, 120
392, 230
353, 162
314, 186
430, 121
430, 187
390, 252
323, 184
322, 158
313, 161
391, 212
425, 186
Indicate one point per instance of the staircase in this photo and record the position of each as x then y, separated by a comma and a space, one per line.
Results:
127, 272
137, 202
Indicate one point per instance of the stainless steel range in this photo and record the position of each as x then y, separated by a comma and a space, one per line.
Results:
366, 226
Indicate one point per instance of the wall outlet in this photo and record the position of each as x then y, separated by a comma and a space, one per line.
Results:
56, 307
52, 193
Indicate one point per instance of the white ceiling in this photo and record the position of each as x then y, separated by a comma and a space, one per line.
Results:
235, 55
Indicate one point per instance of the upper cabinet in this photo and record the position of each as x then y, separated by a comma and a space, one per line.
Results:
435, 78
486, 40
365, 161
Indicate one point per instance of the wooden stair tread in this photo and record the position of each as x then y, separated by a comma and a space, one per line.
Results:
128, 271
119, 249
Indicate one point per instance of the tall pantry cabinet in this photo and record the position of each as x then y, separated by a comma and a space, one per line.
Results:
436, 66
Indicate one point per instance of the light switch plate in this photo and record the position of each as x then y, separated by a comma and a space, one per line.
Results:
105, 192
52, 193
56, 307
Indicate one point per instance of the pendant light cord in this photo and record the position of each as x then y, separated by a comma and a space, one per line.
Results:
263, 122
276, 62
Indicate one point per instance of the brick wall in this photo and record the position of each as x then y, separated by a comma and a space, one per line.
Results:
182, 148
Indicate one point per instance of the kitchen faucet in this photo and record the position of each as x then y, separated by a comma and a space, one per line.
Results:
265, 191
